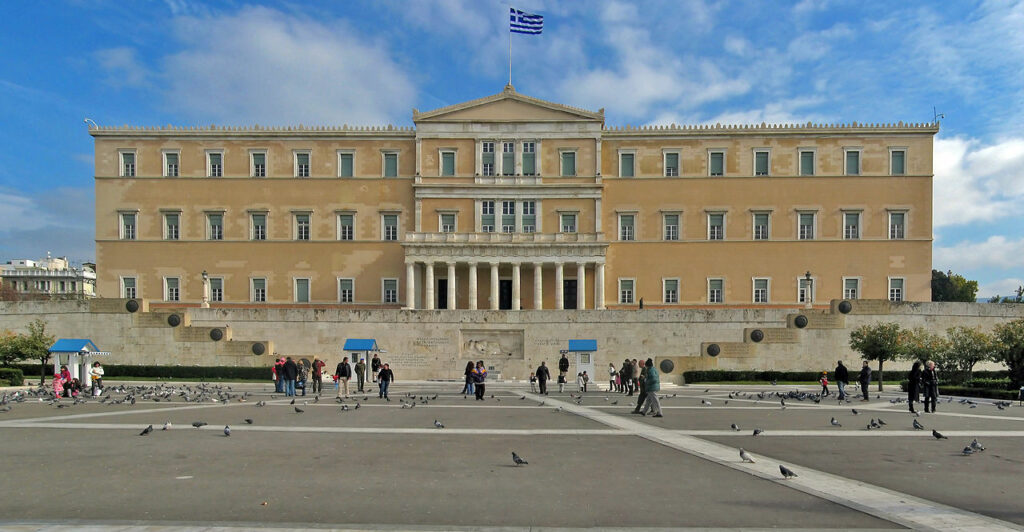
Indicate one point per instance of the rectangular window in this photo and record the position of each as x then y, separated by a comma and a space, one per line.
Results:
568, 163
716, 226
216, 289
346, 226
897, 162
626, 291
508, 158
487, 216
568, 223
897, 225
302, 290
508, 217
627, 231
301, 227
529, 217
806, 227
127, 164
760, 163
716, 163
671, 164
346, 290
851, 225
851, 288
448, 223
391, 164
487, 158
671, 227
173, 291
346, 164
128, 288
529, 158
390, 222
258, 163
215, 226
626, 168
302, 164
170, 164
171, 228
896, 289
128, 227
852, 162
259, 226
61, 287
391, 290
671, 291
761, 221
806, 162
447, 163
215, 164
805, 290
259, 290
715, 289
760, 290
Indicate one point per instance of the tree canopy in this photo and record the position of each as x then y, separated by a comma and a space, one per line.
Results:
950, 286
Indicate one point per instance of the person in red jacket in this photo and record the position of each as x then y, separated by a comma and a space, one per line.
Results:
318, 375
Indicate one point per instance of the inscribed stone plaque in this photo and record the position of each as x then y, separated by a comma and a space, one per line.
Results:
491, 343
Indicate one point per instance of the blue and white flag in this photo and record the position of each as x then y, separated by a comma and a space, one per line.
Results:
523, 22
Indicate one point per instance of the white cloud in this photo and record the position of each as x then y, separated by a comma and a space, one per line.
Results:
1001, 287
122, 67
976, 183
59, 220
996, 252
811, 46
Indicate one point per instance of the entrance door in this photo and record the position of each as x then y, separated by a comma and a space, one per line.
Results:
505, 294
569, 294
442, 294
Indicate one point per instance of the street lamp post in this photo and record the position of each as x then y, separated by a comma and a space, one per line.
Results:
206, 291
808, 292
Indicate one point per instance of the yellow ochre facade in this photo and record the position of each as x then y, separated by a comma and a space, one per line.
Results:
510, 202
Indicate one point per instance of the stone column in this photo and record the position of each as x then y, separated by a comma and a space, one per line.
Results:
581, 285
472, 286
451, 286
428, 288
538, 286
599, 286
410, 285
559, 289
516, 295
495, 296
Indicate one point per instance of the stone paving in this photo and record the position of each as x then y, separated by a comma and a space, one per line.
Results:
591, 463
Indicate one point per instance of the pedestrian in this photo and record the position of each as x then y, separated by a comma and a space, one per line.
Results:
914, 385
543, 376
563, 363
611, 377
580, 387
635, 372
301, 377
533, 382
384, 379
652, 385
318, 375
65, 378
842, 379
289, 372
824, 383
375, 366
561, 381
58, 386
96, 375
361, 374
479, 377
930, 383
641, 390
344, 373
467, 388
278, 377
865, 380
586, 380
627, 377
76, 387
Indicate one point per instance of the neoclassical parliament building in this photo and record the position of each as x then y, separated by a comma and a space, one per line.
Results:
511, 202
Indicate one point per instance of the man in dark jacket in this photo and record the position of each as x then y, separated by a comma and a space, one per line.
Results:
642, 384
627, 377
865, 380
384, 379
375, 366
842, 379
343, 372
543, 376
563, 363
291, 372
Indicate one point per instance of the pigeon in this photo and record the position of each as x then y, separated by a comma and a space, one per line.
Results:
835, 422
316, 399
869, 426
918, 425
786, 472
299, 410
523, 398
344, 408
198, 424
261, 403
227, 430
146, 431
874, 424
248, 421
357, 406
518, 461
293, 402
938, 435
854, 410
559, 409
758, 431
880, 422
614, 402
735, 427
438, 424
976, 446
167, 425
745, 456
967, 451
705, 402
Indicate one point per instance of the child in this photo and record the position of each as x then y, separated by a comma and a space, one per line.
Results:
533, 382
580, 385
561, 381
586, 380
824, 383
58, 386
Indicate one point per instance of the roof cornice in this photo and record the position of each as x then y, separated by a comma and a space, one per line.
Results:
509, 94
809, 128
252, 131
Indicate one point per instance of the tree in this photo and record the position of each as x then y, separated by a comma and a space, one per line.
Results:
966, 347
921, 345
950, 286
880, 342
37, 346
1009, 348
10, 347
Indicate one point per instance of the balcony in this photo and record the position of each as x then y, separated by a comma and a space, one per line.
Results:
62, 274
501, 238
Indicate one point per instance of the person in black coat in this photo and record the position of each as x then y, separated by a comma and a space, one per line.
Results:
865, 380
344, 373
842, 379
468, 387
914, 384
563, 363
384, 380
290, 372
543, 376
930, 385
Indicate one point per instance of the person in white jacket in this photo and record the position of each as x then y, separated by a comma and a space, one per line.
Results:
96, 375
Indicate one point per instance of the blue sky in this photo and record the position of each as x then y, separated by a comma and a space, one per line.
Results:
370, 62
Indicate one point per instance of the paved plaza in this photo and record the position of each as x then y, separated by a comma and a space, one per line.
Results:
385, 465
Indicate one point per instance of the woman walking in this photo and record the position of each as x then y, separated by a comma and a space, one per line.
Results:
468, 387
930, 382
914, 385
479, 376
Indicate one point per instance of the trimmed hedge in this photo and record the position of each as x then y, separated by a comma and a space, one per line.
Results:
970, 391
13, 376
718, 375
175, 372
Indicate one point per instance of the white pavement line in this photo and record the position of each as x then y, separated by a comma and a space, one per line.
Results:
176, 408
844, 433
236, 429
907, 510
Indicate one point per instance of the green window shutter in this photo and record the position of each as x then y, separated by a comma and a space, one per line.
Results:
898, 162
391, 165
671, 164
346, 165
807, 163
302, 290
853, 163
717, 164
569, 164
448, 164
529, 164
627, 165
761, 163
259, 159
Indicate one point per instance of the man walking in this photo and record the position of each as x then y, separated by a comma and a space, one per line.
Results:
642, 387
375, 366
361, 374
652, 385
865, 380
842, 378
543, 376
343, 372
384, 379
291, 372
318, 375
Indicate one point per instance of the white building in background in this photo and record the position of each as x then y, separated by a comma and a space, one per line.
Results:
52, 277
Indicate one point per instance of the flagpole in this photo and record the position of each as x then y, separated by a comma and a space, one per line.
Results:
510, 51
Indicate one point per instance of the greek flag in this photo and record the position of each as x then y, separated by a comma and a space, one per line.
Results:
523, 22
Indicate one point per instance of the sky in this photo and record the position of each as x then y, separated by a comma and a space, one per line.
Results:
652, 62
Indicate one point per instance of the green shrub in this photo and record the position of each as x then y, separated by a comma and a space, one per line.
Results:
718, 375
4, 383
971, 391
13, 376
173, 372
995, 384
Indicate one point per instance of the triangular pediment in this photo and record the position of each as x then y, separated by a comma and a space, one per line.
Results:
508, 106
